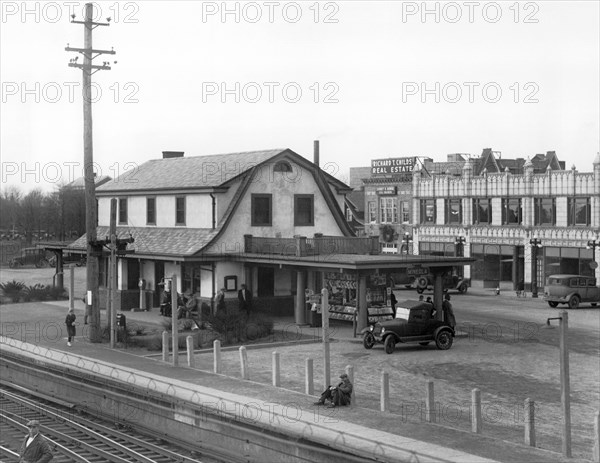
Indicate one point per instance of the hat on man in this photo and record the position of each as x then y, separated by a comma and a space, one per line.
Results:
343, 376
32, 423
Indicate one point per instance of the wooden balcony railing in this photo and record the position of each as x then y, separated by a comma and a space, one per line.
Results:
319, 245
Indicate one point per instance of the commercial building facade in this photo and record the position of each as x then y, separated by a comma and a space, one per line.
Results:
522, 220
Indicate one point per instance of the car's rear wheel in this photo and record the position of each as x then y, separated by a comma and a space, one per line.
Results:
43, 263
574, 302
389, 344
425, 343
443, 340
462, 288
368, 340
553, 304
11, 264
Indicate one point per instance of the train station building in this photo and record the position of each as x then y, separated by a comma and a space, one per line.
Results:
269, 219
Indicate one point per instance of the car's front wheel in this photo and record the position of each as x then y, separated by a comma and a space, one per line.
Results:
553, 304
462, 288
389, 344
443, 340
574, 302
368, 340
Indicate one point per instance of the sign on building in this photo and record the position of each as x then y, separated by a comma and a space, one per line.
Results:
392, 166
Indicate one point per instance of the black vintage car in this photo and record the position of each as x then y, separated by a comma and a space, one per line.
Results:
30, 256
449, 282
413, 323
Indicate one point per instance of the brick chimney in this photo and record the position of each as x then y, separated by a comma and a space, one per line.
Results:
172, 154
316, 153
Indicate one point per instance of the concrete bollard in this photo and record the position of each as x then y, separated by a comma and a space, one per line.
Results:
476, 411
189, 342
385, 392
276, 372
244, 363
350, 373
596, 451
309, 385
430, 403
165, 346
217, 366
529, 422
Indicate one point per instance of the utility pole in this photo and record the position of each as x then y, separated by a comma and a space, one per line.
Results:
112, 283
92, 308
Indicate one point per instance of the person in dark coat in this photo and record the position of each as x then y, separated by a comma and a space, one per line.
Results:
393, 301
337, 395
35, 448
448, 312
245, 299
70, 322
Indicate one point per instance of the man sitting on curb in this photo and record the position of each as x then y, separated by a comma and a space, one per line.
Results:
337, 395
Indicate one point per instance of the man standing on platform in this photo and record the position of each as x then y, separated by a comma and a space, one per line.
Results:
245, 298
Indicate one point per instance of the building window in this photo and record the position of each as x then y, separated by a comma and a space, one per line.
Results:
372, 208
388, 210
482, 211
348, 214
151, 211
282, 166
304, 210
544, 210
453, 211
512, 213
261, 210
579, 211
405, 211
180, 210
427, 211
123, 211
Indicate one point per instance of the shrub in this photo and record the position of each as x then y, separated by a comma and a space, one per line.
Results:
55, 293
13, 290
233, 327
37, 292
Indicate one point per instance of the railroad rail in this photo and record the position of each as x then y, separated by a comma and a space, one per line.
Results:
78, 438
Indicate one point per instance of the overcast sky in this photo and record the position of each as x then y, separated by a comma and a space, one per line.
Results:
370, 80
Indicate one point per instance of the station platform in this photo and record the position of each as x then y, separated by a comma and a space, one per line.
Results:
368, 432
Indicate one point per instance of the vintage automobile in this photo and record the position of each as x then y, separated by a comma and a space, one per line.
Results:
449, 282
413, 323
571, 289
30, 256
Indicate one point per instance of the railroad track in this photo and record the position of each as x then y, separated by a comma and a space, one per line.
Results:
77, 438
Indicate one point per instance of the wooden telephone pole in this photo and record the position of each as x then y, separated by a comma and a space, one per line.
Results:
92, 308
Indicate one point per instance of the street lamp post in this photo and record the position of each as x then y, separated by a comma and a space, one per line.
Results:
535, 244
407, 239
593, 244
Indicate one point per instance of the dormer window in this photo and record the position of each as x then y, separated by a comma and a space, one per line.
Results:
282, 166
